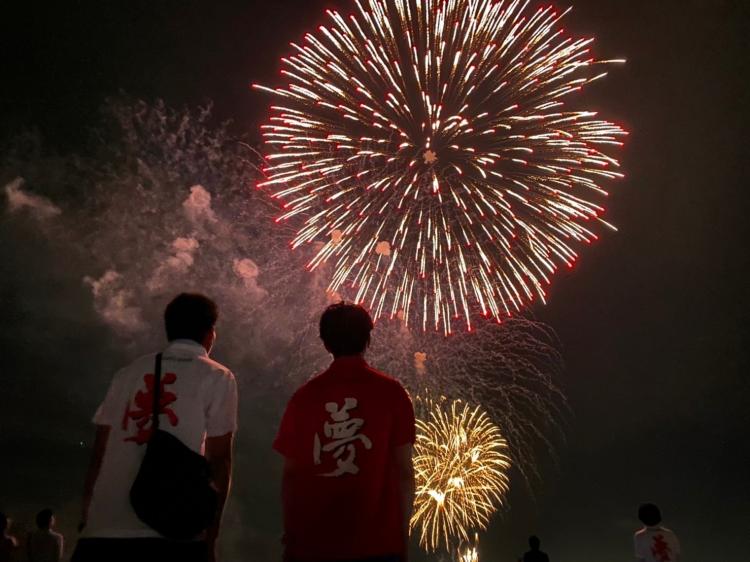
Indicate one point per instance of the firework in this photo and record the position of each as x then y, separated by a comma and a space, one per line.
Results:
469, 554
461, 467
423, 151
511, 369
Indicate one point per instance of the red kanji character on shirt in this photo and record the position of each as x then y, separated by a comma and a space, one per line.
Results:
142, 413
660, 549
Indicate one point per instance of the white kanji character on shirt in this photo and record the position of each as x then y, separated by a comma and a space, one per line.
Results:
344, 434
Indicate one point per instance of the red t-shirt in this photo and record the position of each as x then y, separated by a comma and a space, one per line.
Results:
340, 430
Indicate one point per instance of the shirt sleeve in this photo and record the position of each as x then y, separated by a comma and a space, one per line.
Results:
676, 544
222, 409
405, 426
284, 442
638, 547
111, 410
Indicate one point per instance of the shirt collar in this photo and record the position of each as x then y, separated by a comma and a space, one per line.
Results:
348, 362
188, 347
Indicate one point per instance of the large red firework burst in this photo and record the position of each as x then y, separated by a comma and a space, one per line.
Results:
422, 148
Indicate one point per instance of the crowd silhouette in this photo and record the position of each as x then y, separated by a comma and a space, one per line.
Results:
43, 544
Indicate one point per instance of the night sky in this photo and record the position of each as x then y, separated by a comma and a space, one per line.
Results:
653, 319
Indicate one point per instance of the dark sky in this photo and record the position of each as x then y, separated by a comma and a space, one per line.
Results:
653, 319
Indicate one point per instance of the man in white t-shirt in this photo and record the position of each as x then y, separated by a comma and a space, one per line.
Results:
198, 405
655, 543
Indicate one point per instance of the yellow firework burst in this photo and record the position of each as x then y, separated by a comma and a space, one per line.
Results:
461, 465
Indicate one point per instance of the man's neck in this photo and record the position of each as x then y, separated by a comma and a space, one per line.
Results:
187, 341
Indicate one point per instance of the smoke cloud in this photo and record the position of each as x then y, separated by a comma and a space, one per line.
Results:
18, 199
247, 270
174, 266
420, 358
113, 303
198, 205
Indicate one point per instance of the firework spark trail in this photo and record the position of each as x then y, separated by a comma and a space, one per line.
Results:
512, 369
438, 127
469, 553
461, 466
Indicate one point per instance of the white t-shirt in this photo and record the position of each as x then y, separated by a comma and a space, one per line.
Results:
656, 544
198, 400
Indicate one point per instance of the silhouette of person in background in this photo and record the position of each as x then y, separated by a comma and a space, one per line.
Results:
654, 543
8, 543
535, 555
44, 544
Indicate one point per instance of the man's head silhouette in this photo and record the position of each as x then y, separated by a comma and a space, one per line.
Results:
649, 514
191, 316
534, 542
345, 329
45, 519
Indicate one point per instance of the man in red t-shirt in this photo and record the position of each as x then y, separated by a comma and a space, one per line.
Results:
346, 437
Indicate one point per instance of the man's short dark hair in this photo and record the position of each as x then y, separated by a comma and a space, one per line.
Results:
44, 518
3, 522
649, 514
345, 329
190, 316
534, 542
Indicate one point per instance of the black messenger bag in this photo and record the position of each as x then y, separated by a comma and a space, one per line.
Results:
172, 492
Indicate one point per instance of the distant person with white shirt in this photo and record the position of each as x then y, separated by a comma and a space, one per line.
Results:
198, 405
44, 544
655, 543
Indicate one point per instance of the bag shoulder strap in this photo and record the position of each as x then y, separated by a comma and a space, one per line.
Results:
157, 394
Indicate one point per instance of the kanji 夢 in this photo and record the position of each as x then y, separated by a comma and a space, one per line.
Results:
343, 433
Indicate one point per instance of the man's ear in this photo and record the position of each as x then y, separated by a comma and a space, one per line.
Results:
208, 341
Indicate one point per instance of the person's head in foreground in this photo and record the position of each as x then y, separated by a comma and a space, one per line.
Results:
534, 542
4, 523
45, 519
345, 329
192, 316
649, 514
